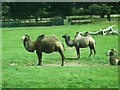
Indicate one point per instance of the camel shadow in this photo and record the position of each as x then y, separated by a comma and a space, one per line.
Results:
65, 58
71, 59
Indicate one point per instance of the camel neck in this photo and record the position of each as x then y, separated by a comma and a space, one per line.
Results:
69, 42
29, 46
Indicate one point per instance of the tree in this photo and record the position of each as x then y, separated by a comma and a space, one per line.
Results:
105, 10
60, 9
24, 10
94, 9
5, 9
40, 10
101, 10
74, 11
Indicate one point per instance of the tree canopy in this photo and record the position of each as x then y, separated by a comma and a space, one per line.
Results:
24, 10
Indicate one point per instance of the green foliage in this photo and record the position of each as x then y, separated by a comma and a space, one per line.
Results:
94, 9
102, 9
79, 11
41, 12
105, 9
24, 10
5, 9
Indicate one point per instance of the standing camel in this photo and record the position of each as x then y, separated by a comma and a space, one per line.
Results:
44, 44
81, 42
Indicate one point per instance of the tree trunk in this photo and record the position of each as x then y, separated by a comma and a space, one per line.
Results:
14, 18
41, 18
102, 16
108, 17
63, 17
36, 18
90, 15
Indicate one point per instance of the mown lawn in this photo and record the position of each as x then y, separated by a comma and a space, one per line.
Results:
60, 77
20, 67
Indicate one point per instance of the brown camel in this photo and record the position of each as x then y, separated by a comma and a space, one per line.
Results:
43, 44
113, 58
81, 42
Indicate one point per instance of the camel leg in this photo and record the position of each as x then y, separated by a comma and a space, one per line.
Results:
92, 48
39, 54
90, 52
94, 51
63, 57
78, 52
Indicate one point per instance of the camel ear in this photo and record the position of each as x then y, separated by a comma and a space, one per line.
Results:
86, 33
77, 32
43, 35
112, 49
25, 37
64, 36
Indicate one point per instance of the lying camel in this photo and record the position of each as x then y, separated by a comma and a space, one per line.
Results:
113, 57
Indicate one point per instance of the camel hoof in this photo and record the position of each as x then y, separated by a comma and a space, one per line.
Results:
78, 58
39, 64
89, 56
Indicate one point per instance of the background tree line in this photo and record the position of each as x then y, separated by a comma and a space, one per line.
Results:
35, 10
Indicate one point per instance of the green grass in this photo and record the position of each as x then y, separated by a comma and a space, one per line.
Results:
20, 67
60, 77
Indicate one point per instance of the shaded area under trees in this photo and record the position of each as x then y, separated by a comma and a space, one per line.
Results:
36, 10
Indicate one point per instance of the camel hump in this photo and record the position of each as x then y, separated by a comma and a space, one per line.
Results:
59, 45
53, 37
40, 37
87, 33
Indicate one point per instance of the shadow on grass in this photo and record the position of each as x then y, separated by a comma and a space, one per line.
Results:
71, 59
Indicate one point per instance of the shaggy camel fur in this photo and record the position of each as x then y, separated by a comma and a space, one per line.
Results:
113, 57
81, 42
44, 44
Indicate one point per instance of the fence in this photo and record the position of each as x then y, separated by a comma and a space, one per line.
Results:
52, 22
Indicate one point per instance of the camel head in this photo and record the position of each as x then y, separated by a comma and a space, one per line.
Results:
68, 41
66, 36
111, 52
25, 37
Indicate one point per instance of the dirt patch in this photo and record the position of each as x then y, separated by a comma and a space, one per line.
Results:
66, 63
75, 64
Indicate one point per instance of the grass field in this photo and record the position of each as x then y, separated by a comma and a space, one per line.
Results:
19, 67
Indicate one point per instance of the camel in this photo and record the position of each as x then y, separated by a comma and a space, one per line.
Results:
43, 44
81, 42
113, 57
